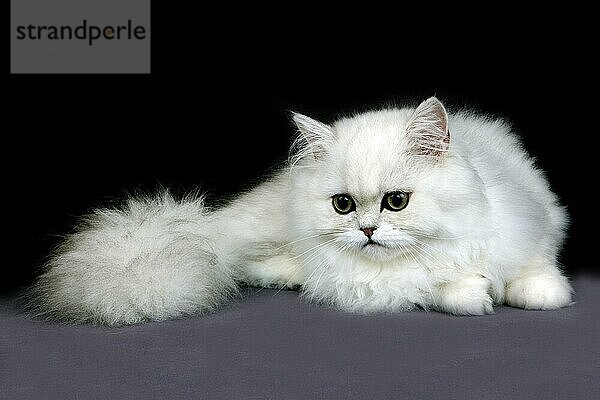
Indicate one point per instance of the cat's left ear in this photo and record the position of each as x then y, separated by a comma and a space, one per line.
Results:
428, 129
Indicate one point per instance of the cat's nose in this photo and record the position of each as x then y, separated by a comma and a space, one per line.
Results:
368, 231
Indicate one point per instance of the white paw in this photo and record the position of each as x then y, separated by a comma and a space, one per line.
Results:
539, 292
469, 296
277, 272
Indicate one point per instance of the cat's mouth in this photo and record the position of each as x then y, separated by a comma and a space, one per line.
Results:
372, 243
375, 250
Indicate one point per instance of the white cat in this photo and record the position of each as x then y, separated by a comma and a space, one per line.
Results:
381, 212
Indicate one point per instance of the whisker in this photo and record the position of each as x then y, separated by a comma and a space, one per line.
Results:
422, 251
312, 256
314, 247
305, 238
321, 264
420, 265
314, 253
429, 236
414, 233
338, 249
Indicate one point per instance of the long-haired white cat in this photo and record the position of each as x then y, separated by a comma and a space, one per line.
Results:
381, 212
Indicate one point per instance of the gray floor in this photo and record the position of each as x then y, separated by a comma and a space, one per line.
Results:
273, 346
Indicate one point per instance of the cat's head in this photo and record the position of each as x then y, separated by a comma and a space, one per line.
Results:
383, 183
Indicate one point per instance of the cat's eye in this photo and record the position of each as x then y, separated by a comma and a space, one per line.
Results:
395, 201
343, 203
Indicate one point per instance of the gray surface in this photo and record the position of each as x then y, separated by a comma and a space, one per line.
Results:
273, 346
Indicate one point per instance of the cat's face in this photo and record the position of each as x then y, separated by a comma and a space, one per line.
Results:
380, 187
373, 194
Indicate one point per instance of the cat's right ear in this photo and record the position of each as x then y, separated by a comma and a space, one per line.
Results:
314, 137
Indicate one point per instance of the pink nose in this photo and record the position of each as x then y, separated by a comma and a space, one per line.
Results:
368, 231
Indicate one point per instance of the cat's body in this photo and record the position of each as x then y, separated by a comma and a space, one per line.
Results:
421, 217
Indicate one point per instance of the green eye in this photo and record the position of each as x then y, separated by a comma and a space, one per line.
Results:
343, 203
395, 201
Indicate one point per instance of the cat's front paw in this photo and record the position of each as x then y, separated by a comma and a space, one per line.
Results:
539, 292
468, 296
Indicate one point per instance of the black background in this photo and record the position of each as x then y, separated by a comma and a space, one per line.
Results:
214, 112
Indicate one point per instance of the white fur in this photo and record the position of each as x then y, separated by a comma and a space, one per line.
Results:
481, 227
480, 218
150, 260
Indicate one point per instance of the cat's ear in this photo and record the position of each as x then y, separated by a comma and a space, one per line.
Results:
314, 137
428, 129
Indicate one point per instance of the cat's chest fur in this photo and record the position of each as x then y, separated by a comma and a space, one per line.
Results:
363, 285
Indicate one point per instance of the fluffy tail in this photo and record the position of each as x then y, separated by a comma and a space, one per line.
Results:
152, 259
